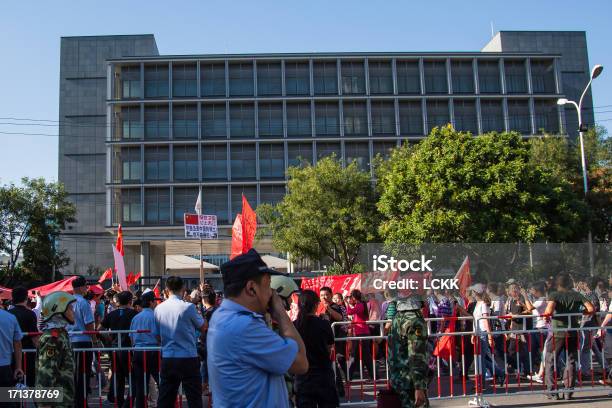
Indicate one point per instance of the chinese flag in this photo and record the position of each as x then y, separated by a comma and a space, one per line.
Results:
464, 279
119, 243
249, 225
132, 279
129, 279
106, 275
237, 237
156, 290
445, 347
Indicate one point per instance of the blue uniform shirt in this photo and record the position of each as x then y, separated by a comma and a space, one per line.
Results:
9, 333
246, 359
82, 317
179, 324
145, 320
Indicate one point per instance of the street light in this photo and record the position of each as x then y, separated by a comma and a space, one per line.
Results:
597, 69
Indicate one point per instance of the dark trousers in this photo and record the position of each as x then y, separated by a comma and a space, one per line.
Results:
7, 380
366, 356
316, 389
175, 371
142, 372
555, 346
120, 371
81, 373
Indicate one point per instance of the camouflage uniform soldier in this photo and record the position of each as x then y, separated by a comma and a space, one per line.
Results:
55, 362
408, 354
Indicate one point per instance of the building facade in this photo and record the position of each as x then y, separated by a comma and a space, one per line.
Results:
233, 124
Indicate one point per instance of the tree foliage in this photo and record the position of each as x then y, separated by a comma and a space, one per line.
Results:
328, 212
31, 218
453, 187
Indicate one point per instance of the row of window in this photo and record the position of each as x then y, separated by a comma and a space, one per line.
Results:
184, 162
152, 205
242, 81
239, 123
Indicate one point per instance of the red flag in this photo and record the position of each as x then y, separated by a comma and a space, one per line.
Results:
156, 289
237, 237
129, 278
463, 277
106, 275
445, 347
132, 279
119, 243
249, 225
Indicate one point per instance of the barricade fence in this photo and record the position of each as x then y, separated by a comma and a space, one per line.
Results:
479, 366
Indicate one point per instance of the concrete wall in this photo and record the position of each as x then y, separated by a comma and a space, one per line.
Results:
82, 153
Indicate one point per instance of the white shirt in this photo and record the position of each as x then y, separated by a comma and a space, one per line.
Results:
481, 310
540, 308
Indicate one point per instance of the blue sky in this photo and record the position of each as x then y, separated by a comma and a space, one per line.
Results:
30, 39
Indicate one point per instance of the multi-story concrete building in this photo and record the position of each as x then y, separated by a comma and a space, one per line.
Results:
149, 130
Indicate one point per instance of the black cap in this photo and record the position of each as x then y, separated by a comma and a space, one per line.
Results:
245, 267
79, 282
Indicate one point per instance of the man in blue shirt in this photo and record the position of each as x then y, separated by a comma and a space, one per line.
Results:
246, 359
10, 349
83, 321
146, 362
179, 327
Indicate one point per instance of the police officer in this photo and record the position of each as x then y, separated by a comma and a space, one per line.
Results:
179, 324
408, 353
55, 361
83, 321
143, 370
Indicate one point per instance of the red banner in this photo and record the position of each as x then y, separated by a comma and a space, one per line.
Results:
63, 285
249, 225
237, 237
338, 283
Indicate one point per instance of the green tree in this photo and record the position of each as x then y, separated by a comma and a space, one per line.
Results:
453, 187
31, 218
328, 212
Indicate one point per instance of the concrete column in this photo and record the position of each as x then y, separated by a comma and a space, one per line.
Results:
145, 258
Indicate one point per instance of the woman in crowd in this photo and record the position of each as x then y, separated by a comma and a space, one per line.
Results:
316, 388
358, 309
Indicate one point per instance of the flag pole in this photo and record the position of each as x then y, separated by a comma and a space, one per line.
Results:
199, 211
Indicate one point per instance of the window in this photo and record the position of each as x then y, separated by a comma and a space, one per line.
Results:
358, 152
156, 81
381, 77
185, 162
250, 192
212, 80
411, 118
437, 113
297, 78
408, 77
241, 79
328, 149
242, 161
353, 77
546, 116
131, 126
269, 78
156, 122
131, 207
516, 77
271, 161
298, 120
383, 149
355, 118
492, 113
519, 116
299, 154
213, 121
270, 120
130, 160
184, 199
157, 206
157, 163
130, 82
214, 202
327, 119
325, 77
242, 120
463, 77
214, 162
383, 118
488, 76
184, 121
435, 77
543, 76
271, 194
465, 116
184, 80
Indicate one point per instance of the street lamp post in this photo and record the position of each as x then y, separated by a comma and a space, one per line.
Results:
597, 69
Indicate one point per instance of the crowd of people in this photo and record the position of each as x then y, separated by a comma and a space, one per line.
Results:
241, 348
